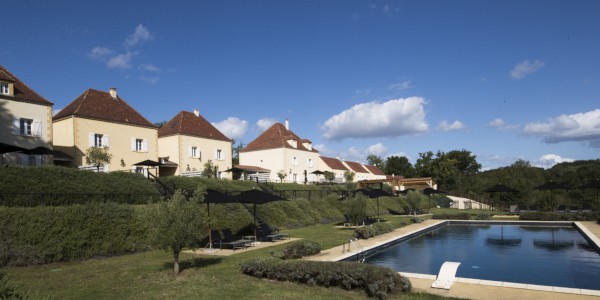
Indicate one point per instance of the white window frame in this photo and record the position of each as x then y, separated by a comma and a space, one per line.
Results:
26, 127
4, 88
219, 154
310, 163
98, 140
194, 151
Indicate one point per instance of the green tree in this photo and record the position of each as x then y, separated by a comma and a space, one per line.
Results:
424, 164
210, 170
414, 200
160, 124
349, 177
355, 209
399, 165
329, 176
281, 174
97, 157
178, 223
375, 160
235, 152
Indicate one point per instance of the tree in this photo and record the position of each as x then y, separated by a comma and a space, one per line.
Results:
97, 157
235, 152
424, 164
160, 124
349, 176
355, 208
414, 200
399, 166
178, 223
210, 170
375, 160
329, 176
281, 174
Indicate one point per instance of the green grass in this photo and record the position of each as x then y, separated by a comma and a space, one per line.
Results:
472, 212
148, 275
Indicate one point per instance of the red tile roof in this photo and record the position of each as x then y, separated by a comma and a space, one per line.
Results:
356, 167
276, 137
94, 104
187, 123
374, 170
21, 91
252, 169
333, 163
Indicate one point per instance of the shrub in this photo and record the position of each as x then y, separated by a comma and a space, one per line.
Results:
457, 216
484, 217
416, 220
300, 249
552, 216
376, 229
376, 281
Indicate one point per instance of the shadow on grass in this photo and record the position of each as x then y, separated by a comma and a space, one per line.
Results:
193, 263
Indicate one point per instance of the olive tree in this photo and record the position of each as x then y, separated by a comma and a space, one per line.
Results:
414, 200
97, 157
355, 208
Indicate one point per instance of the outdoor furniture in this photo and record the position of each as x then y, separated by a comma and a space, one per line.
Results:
228, 236
447, 275
267, 233
216, 238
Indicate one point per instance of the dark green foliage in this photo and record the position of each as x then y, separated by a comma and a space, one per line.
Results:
376, 229
8, 291
189, 184
356, 209
32, 186
41, 235
300, 249
550, 216
416, 220
399, 165
458, 216
376, 281
484, 217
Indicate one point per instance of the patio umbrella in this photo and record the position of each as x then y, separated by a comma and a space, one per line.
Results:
317, 172
594, 184
551, 186
256, 197
431, 191
147, 163
500, 188
406, 191
215, 197
503, 241
374, 194
7, 148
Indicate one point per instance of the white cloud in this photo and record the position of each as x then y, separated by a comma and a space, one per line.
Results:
582, 127
353, 154
150, 68
120, 61
401, 85
322, 148
140, 35
549, 160
393, 118
151, 79
445, 126
265, 123
501, 125
525, 68
232, 127
378, 149
100, 53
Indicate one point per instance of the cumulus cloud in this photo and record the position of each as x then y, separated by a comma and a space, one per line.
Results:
150, 79
501, 125
139, 36
232, 127
445, 126
401, 85
582, 127
525, 68
393, 118
100, 53
265, 123
378, 149
323, 149
120, 61
149, 68
549, 160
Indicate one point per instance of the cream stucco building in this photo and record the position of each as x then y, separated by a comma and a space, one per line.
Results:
280, 150
25, 121
190, 141
103, 119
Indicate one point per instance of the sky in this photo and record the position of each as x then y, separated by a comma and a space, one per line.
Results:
506, 80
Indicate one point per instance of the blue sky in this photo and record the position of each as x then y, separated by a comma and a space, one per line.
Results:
505, 80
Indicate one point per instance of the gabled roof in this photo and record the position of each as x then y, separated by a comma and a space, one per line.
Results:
356, 167
276, 137
252, 169
374, 170
333, 163
21, 90
94, 104
187, 123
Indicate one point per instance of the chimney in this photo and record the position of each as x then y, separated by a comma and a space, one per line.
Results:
196, 112
113, 92
287, 124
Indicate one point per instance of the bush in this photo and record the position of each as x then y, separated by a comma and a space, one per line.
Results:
376, 281
300, 249
552, 216
376, 229
458, 216
416, 220
484, 217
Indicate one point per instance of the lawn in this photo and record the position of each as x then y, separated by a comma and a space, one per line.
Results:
148, 275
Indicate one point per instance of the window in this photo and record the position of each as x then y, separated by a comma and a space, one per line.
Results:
139, 145
26, 127
98, 139
294, 161
219, 154
4, 88
194, 152
310, 163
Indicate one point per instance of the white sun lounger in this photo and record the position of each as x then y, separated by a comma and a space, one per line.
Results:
447, 275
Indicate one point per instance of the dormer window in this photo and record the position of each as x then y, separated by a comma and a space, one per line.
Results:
293, 143
4, 88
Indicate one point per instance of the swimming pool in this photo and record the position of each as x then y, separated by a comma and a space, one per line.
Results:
541, 255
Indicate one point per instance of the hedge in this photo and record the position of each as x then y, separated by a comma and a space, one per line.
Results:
458, 216
376, 229
552, 216
376, 281
300, 249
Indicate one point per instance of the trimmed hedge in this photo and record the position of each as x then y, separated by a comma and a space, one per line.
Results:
51, 185
376, 229
300, 249
376, 281
552, 216
39, 235
458, 216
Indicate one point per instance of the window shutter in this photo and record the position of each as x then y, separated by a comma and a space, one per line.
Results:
106, 143
132, 144
215, 156
37, 128
190, 151
91, 139
223, 156
145, 146
16, 126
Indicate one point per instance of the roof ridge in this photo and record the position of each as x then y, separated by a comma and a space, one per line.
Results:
24, 84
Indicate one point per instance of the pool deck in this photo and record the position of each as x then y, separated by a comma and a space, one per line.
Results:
471, 288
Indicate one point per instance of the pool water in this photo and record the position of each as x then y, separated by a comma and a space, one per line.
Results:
553, 256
